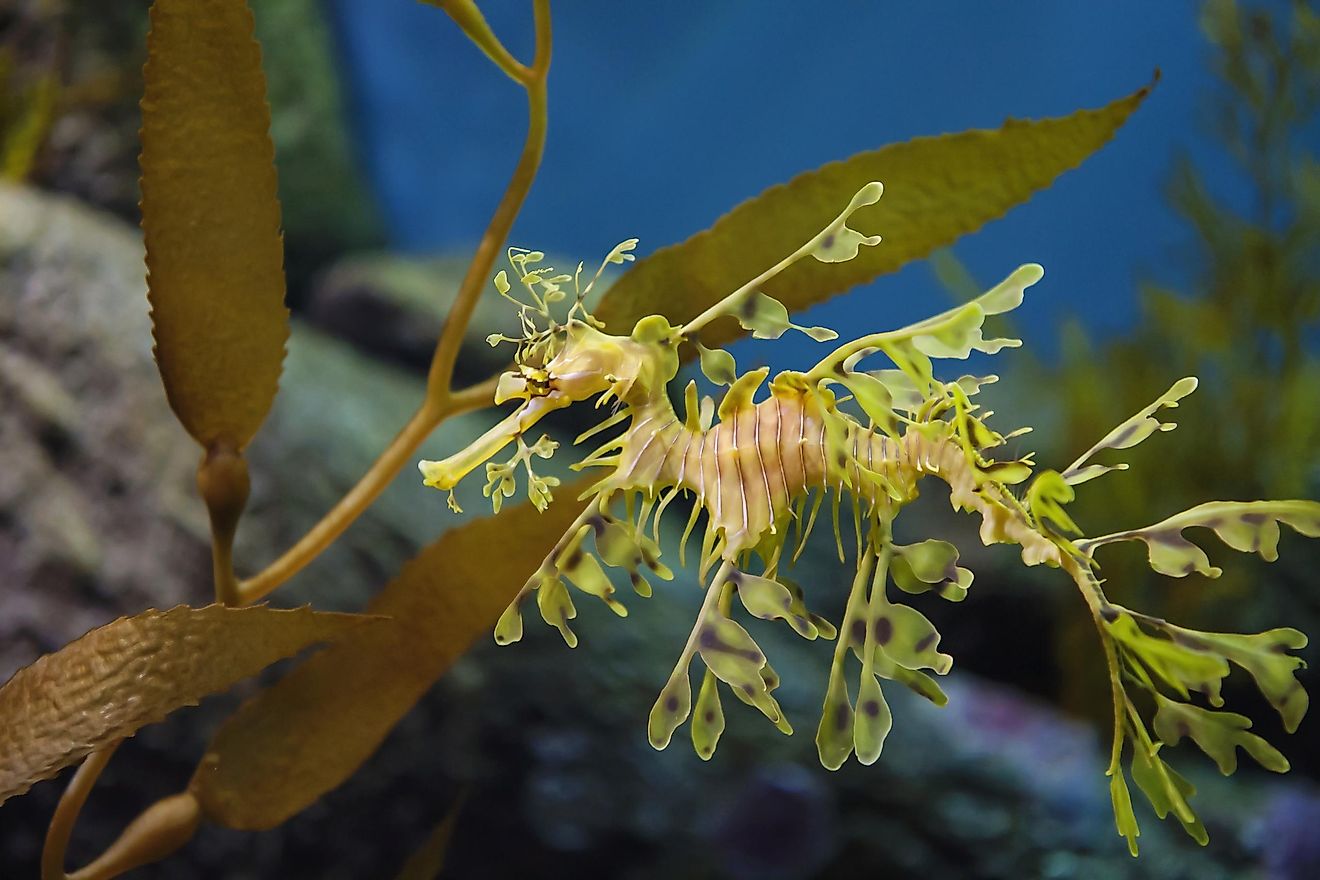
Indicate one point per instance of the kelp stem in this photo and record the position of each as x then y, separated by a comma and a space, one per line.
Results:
468, 17
441, 402
66, 812
476, 279
349, 508
222, 480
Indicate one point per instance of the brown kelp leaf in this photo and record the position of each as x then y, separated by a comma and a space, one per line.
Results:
134, 672
211, 219
936, 190
309, 732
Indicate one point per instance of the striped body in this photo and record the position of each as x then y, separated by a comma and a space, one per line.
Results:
749, 469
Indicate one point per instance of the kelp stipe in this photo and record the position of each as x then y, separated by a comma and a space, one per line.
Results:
761, 470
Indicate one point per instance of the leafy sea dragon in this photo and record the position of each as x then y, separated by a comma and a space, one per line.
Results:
760, 469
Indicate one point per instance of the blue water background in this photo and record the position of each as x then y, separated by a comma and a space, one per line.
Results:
663, 116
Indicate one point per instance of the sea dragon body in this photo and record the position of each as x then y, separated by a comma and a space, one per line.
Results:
753, 467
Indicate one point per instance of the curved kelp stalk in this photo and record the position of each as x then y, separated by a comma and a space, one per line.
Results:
761, 469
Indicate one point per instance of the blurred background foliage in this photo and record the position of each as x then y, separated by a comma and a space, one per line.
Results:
549, 744
1239, 311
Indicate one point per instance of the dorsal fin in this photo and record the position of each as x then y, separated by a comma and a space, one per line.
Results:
740, 392
691, 407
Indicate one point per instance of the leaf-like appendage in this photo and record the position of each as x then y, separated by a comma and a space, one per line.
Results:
955, 333
930, 565
1248, 526
767, 318
874, 398
1219, 734
1264, 655
1124, 818
736, 660
708, 720
1129, 434
211, 219
717, 365
1184, 660
771, 600
1184, 665
1166, 790
904, 394
671, 709
310, 731
872, 721
134, 672
834, 735
583, 569
917, 681
911, 639
936, 190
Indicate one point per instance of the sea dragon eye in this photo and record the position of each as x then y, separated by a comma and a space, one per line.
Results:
760, 470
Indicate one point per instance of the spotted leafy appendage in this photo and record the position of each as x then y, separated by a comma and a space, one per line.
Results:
1129, 434
1248, 526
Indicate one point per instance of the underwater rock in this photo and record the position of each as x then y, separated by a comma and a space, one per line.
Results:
98, 509
91, 146
99, 515
392, 307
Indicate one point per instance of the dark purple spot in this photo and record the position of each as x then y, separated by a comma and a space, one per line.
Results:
1188, 641
671, 704
1109, 614
926, 642
1123, 436
828, 241
884, 630
858, 631
574, 559
1254, 519
842, 716
709, 716
871, 708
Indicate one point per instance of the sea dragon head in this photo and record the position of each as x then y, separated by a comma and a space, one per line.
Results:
559, 362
